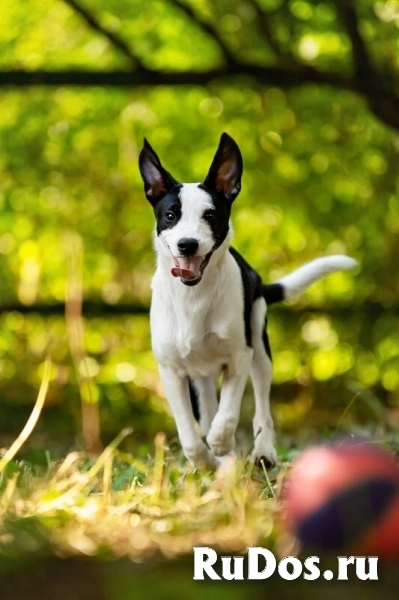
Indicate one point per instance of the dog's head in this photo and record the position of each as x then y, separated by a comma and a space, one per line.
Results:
193, 218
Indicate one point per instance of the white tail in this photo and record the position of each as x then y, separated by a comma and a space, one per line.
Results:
295, 283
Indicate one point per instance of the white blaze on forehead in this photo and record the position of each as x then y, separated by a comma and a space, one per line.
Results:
194, 201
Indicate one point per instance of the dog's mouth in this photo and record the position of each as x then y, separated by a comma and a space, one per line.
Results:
190, 268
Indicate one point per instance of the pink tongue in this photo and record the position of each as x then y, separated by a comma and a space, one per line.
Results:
187, 267
185, 273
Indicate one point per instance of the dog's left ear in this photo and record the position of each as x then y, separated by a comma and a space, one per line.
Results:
226, 168
157, 180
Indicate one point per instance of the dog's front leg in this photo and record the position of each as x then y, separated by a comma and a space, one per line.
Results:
221, 437
206, 390
177, 392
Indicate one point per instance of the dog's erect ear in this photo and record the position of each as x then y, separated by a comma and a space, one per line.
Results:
226, 168
157, 180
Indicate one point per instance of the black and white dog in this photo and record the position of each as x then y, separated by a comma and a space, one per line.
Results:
208, 310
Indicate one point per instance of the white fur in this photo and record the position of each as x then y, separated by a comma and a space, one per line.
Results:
196, 332
199, 331
297, 282
261, 375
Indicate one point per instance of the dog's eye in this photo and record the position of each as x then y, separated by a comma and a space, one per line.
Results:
170, 216
209, 215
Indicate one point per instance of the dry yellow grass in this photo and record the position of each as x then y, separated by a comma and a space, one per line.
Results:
128, 507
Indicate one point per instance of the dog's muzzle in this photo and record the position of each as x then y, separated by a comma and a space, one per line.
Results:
190, 268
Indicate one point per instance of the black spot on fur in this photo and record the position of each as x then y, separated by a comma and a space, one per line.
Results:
252, 286
253, 289
166, 207
194, 399
219, 224
273, 292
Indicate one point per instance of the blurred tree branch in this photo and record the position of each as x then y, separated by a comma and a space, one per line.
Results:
207, 28
266, 31
116, 41
91, 308
376, 86
285, 76
99, 308
361, 59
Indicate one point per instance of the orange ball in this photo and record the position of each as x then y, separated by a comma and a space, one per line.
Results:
344, 497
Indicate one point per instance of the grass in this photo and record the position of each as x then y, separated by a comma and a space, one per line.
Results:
122, 506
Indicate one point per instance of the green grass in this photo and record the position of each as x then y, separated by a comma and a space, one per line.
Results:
124, 506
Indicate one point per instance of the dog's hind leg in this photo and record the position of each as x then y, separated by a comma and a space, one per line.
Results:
178, 395
261, 375
203, 394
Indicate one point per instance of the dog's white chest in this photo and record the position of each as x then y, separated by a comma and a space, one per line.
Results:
194, 331
202, 357
193, 343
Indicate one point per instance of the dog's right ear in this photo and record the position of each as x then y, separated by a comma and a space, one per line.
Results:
157, 180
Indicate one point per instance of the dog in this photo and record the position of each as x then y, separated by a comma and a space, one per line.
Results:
208, 309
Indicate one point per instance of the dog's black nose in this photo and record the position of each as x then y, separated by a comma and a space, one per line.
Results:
188, 246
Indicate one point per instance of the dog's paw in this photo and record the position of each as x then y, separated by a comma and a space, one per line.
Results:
226, 463
201, 457
221, 437
264, 452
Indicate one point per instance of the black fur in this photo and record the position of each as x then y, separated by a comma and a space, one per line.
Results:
168, 205
253, 289
273, 292
194, 399
217, 220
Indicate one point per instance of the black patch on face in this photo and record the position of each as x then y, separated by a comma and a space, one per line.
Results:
219, 223
252, 286
168, 210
